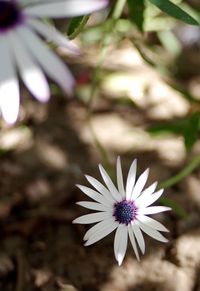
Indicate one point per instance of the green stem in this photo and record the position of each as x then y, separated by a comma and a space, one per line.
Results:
119, 6
110, 27
111, 24
83, 20
99, 146
174, 180
182, 174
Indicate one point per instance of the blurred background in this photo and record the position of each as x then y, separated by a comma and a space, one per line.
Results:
138, 96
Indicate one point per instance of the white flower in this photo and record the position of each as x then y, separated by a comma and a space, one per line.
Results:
123, 209
22, 50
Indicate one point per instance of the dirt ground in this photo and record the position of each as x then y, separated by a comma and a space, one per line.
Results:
50, 150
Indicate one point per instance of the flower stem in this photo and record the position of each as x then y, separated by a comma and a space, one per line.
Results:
79, 28
102, 151
182, 174
110, 28
176, 179
118, 9
111, 24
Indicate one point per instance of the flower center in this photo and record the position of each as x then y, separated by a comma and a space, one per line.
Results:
125, 211
10, 14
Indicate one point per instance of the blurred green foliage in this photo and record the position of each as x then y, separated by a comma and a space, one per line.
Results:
188, 127
136, 10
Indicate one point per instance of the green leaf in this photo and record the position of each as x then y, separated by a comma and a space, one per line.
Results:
174, 11
76, 25
136, 10
171, 127
191, 130
188, 127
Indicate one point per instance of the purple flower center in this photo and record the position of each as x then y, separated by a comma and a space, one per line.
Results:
125, 211
10, 14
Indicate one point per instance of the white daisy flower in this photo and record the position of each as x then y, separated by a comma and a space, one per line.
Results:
123, 209
22, 50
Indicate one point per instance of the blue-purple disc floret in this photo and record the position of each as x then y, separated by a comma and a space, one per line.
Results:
10, 15
125, 211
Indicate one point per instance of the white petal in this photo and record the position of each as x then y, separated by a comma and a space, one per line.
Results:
102, 225
152, 223
113, 190
9, 99
51, 34
146, 193
117, 240
153, 209
101, 234
139, 184
120, 243
120, 182
101, 189
30, 72
139, 236
149, 199
133, 242
149, 190
67, 8
152, 232
131, 179
92, 217
49, 61
94, 206
93, 194
9, 87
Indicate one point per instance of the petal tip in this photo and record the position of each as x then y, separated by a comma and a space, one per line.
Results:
120, 260
86, 244
118, 159
138, 259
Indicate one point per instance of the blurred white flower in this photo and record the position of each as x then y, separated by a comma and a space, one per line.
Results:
123, 209
22, 50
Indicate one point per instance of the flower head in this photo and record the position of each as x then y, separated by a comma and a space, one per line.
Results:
123, 209
22, 50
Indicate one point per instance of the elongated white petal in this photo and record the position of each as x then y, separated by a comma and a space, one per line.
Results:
102, 225
133, 242
92, 217
101, 188
30, 72
118, 234
94, 206
67, 8
120, 243
146, 193
131, 179
139, 236
49, 61
140, 184
9, 99
153, 209
152, 223
149, 199
120, 182
51, 34
149, 190
9, 87
101, 234
93, 194
152, 232
113, 190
